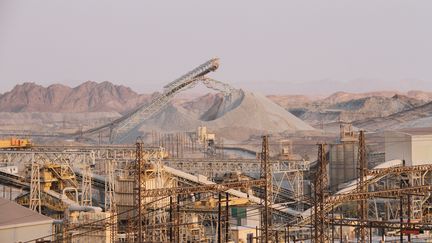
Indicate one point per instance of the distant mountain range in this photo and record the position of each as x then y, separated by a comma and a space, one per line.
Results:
294, 101
372, 110
352, 107
107, 97
328, 86
87, 97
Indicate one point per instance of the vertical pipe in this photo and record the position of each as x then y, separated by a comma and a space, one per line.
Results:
256, 234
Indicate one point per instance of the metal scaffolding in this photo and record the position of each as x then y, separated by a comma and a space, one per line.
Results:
266, 176
35, 188
140, 187
320, 193
86, 186
362, 206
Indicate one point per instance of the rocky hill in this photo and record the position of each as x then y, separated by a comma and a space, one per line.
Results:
352, 107
360, 109
241, 114
378, 106
339, 97
420, 116
87, 97
302, 101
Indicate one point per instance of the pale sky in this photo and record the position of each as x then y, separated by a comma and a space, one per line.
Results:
268, 46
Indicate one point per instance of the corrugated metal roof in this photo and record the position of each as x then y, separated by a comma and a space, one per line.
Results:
12, 213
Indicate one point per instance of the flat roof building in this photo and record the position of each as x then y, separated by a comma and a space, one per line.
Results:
413, 145
19, 224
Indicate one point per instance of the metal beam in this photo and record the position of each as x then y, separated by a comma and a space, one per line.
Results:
163, 192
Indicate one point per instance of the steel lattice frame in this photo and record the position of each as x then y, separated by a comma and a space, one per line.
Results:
267, 178
320, 192
362, 205
35, 188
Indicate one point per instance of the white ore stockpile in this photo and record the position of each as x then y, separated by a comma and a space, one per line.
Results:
242, 112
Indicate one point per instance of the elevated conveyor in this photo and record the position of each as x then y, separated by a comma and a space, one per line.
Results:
186, 178
12, 180
120, 128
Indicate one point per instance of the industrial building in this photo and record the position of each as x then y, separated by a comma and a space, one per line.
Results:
343, 157
179, 188
412, 145
19, 224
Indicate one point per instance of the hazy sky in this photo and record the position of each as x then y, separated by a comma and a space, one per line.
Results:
271, 46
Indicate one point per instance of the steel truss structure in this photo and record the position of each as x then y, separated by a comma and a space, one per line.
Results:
100, 157
147, 172
111, 160
320, 196
402, 191
283, 171
35, 187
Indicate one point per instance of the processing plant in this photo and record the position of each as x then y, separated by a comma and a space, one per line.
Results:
186, 187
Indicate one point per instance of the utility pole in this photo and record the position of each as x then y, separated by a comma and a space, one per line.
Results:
362, 204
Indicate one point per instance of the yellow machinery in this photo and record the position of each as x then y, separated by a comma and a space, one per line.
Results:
15, 143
